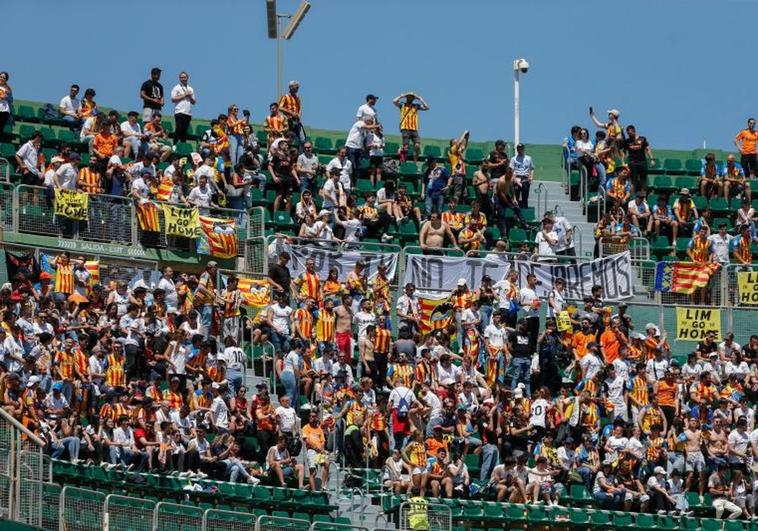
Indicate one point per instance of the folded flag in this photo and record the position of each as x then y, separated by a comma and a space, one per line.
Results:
683, 277
220, 237
147, 215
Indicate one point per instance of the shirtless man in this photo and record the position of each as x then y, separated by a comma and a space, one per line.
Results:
695, 460
343, 325
433, 234
366, 349
504, 199
481, 181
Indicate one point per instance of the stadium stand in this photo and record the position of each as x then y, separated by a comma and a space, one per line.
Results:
156, 272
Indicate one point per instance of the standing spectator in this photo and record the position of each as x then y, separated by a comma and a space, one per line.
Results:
456, 158
375, 144
612, 126
433, 187
746, 142
409, 122
70, 108
368, 109
275, 124
6, 101
307, 168
546, 241
151, 93
290, 106
356, 140
183, 97
523, 168
345, 167
27, 160
636, 148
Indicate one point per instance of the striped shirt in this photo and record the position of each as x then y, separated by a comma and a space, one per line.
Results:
382, 341
409, 117
89, 180
305, 322
290, 103
114, 373
308, 284
325, 326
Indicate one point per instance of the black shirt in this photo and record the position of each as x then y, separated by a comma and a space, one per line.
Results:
635, 149
154, 90
494, 158
520, 345
280, 275
706, 349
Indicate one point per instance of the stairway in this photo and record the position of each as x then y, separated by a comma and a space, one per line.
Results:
559, 202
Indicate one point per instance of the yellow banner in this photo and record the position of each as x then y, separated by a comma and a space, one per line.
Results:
72, 204
184, 222
693, 323
563, 321
747, 282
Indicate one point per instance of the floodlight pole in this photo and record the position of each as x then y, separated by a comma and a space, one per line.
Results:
279, 17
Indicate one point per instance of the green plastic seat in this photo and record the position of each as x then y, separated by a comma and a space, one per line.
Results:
579, 495
364, 186
600, 519
645, 521
283, 221
25, 113
663, 184
579, 517
667, 522
408, 168
432, 151
7, 151
537, 514
515, 513
623, 520
687, 523
720, 206
734, 525
686, 181
323, 145
673, 167
474, 155
693, 166
184, 149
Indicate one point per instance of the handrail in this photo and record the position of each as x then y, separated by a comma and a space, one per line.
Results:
16, 424
541, 193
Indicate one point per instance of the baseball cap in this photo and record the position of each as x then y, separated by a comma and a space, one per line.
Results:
659, 470
519, 146
32, 380
461, 281
212, 263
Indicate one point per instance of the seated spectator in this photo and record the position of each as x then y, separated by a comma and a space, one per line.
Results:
281, 465
133, 136
685, 212
70, 108
733, 179
156, 137
710, 185
662, 217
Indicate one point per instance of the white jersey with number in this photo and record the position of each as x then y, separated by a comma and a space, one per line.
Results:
539, 413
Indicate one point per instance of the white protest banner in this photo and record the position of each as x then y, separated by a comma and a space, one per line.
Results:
325, 259
441, 273
613, 273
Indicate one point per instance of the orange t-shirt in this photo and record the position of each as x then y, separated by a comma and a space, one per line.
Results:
611, 345
314, 436
580, 342
666, 393
105, 144
433, 446
749, 140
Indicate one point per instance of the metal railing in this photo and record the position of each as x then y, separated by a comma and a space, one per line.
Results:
5, 170
6, 206
638, 247
439, 517
23, 468
541, 199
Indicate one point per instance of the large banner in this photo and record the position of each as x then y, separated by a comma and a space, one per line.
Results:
184, 222
693, 323
441, 273
613, 273
747, 283
325, 259
72, 204
219, 237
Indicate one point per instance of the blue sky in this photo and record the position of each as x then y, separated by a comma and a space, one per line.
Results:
681, 70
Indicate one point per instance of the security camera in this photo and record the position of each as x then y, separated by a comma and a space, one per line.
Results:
522, 65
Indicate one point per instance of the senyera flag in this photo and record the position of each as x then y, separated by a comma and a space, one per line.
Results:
683, 277
147, 215
221, 235
436, 314
255, 292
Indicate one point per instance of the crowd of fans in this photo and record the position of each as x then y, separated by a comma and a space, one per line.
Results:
150, 375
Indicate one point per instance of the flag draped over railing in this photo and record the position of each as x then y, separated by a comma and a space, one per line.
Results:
683, 277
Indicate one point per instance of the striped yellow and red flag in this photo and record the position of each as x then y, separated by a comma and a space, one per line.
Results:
93, 266
435, 314
147, 215
684, 277
221, 235
255, 292
164, 190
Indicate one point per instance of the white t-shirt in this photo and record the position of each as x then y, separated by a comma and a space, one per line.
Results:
200, 197
184, 106
356, 136
281, 318
561, 226
330, 191
70, 105
559, 302
721, 246
526, 297
291, 362
30, 155
362, 320
179, 357
495, 335
220, 412
234, 357
352, 226
140, 187
346, 170
521, 165
365, 111
87, 129
376, 144
545, 251
172, 298
131, 129
739, 440
287, 418
68, 176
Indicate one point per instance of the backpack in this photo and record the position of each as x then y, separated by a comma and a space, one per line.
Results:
390, 166
403, 407
50, 113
